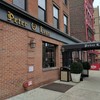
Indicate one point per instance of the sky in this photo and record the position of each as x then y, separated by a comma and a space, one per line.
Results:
97, 3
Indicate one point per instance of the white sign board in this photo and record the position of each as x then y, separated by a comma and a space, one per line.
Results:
31, 68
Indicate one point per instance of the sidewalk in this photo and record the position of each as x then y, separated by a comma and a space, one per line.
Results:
88, 89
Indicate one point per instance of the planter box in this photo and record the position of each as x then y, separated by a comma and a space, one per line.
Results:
75, 77
85, 73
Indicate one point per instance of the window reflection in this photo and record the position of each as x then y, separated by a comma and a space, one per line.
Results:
49, 55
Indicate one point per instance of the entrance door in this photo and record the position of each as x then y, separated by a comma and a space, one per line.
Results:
67, 58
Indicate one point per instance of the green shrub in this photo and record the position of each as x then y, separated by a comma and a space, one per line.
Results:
76, 67
86, 65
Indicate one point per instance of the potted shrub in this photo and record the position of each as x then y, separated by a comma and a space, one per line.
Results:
86, 67
76, 69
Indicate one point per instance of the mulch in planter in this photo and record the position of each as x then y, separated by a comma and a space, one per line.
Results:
59, 87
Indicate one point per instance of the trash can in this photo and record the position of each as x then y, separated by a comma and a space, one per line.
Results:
65, 74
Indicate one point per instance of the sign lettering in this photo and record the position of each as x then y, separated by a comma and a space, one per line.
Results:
18, 21
31, 25
44, 31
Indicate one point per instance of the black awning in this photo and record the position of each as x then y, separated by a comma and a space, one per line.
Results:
82, 46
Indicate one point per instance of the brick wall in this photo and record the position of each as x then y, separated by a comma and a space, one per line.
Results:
77, 19
13, 53
16, 56
8, 1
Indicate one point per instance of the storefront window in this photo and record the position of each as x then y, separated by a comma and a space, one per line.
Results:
49, 55
20, 3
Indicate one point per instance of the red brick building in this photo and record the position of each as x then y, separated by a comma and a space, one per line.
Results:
31, 35
82, 23
82, 20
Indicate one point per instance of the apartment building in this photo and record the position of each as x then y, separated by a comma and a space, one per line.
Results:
97, 24
32, 33
97, 30
82, 23
81, 19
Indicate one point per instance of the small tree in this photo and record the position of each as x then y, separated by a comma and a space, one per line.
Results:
86, 65
76, 67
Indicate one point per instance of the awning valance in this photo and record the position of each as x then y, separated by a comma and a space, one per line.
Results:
82, 46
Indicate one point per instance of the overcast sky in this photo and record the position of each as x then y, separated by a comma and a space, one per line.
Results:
97, 3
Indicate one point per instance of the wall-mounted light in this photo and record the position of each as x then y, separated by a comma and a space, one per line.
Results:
32, 43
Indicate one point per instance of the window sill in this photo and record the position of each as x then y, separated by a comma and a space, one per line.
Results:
50, 69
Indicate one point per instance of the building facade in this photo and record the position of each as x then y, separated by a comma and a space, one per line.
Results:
32, 33
81, 19
97, 31
82, 23
97, 24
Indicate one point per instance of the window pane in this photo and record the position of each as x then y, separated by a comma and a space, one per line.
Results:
49, 57
41, 14
19, 3
41, 3
55, 12
65, 29
65, 20
55, 23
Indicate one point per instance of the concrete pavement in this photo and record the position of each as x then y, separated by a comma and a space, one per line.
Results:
88, 89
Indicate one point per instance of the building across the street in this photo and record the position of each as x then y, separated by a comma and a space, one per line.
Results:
97, 24
32, 33
82, 23
97, 31
81, 19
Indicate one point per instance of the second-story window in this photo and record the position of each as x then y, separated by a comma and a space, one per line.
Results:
20, 3
55, 17
65, 24
42, 10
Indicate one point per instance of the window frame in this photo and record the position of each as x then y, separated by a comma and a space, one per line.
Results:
48, 55
39, 7
57, 19
65, 2
25, 5
66, 25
